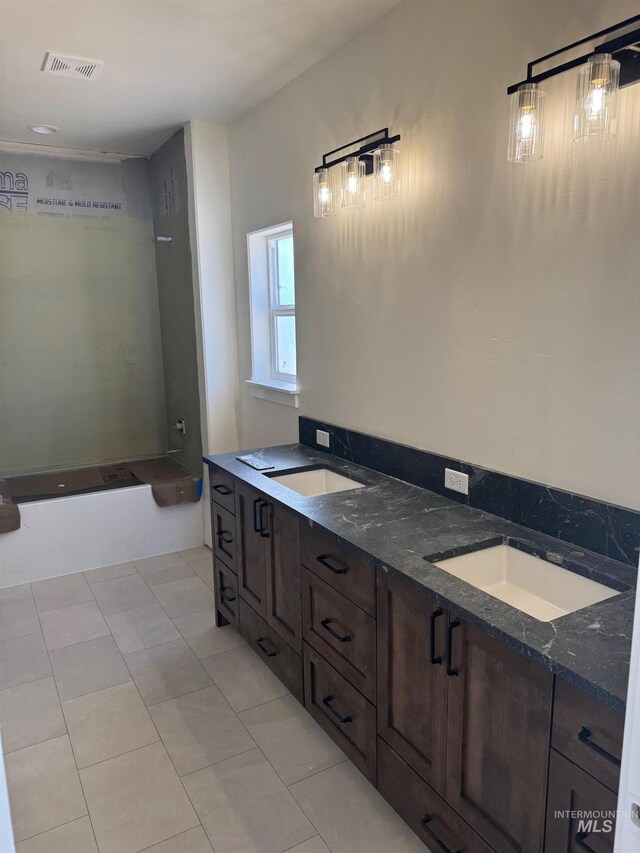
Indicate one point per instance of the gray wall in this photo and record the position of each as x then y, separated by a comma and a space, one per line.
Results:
80, 353
175, 295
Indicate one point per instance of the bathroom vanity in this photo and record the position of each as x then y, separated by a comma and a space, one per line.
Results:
485, 727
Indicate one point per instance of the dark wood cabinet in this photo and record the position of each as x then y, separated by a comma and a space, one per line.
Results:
580, 811
499, 719
284, 612
412, 706
252, 551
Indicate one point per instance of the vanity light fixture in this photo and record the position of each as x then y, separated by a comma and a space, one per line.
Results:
375, 154
609, 64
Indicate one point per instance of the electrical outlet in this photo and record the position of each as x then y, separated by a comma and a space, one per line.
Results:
323, 438
456, 481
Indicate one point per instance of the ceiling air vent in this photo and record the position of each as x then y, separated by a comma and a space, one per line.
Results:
72, 66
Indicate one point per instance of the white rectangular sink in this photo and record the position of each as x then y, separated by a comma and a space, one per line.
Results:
318, 481
529, 584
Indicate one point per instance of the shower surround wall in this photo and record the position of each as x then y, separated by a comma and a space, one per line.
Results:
176, 299
81, 377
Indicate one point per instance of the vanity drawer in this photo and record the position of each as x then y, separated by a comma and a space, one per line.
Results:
272, 649
432, 820
588, 733
226, 590
341, 568
222, 487
343, 633
342, 712
224, 535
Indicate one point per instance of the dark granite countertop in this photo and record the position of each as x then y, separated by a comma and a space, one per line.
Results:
395, 525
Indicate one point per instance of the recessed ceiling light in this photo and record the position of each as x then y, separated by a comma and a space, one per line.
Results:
44, 128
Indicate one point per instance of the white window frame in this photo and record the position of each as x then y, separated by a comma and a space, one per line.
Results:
266, 381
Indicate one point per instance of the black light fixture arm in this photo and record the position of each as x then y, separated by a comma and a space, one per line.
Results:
367, 145
630, 59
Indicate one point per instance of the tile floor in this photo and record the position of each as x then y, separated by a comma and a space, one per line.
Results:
131, 723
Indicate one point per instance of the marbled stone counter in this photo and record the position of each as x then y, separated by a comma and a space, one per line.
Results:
395, 525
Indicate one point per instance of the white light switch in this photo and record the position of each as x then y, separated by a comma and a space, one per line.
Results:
456, 481
323, 438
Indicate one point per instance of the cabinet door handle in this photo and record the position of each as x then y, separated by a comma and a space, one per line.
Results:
433, 658
338, 569
264, 524
260, 643
256, 529
584, 736
326, 624
450, 669
327, 703
221, 489
425, 822
225, 536
579, 838
228, 599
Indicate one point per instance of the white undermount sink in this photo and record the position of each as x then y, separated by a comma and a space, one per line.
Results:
316, 481
534, 586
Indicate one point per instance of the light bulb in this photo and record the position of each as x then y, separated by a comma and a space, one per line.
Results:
352, 184
353, 181
596, 99
323, 194
386, 170
386, 173
526, 131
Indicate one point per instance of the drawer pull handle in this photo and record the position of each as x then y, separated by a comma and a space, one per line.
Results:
326, 624
450, 669
327, 703
227, 599
432, 635
338, 569
425, 824
260, 643
585, 737
221, 489
256, 529
225, 536
264, 524
580, 841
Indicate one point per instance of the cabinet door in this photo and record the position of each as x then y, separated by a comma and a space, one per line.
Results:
252, 547
498, 739
580, 811
283, 575
412, 685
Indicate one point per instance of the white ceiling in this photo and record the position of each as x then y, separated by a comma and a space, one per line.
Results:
166, 61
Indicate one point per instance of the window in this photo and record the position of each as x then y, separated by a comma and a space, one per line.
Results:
273, 314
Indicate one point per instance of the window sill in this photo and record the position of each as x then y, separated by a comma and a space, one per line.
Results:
285, 393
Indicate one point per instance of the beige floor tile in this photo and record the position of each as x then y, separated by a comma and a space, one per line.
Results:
350, 814
192, 555
200, 729
122, 594
204, 568
141, 628
74, 837
199, 630
193, 841
136, 800
14, 593
87, 667
243, 678
166, 671
108, 723
61, 592
292, 741
245, 808
23, 659
161, 561
314, 845
75, 624
18, 618
44, 788
29, 714
168, 574
185, 596
109, 573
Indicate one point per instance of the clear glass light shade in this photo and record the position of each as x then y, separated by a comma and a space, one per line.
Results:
386, 173
526, 131
324, 194
596, 99
353, 183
